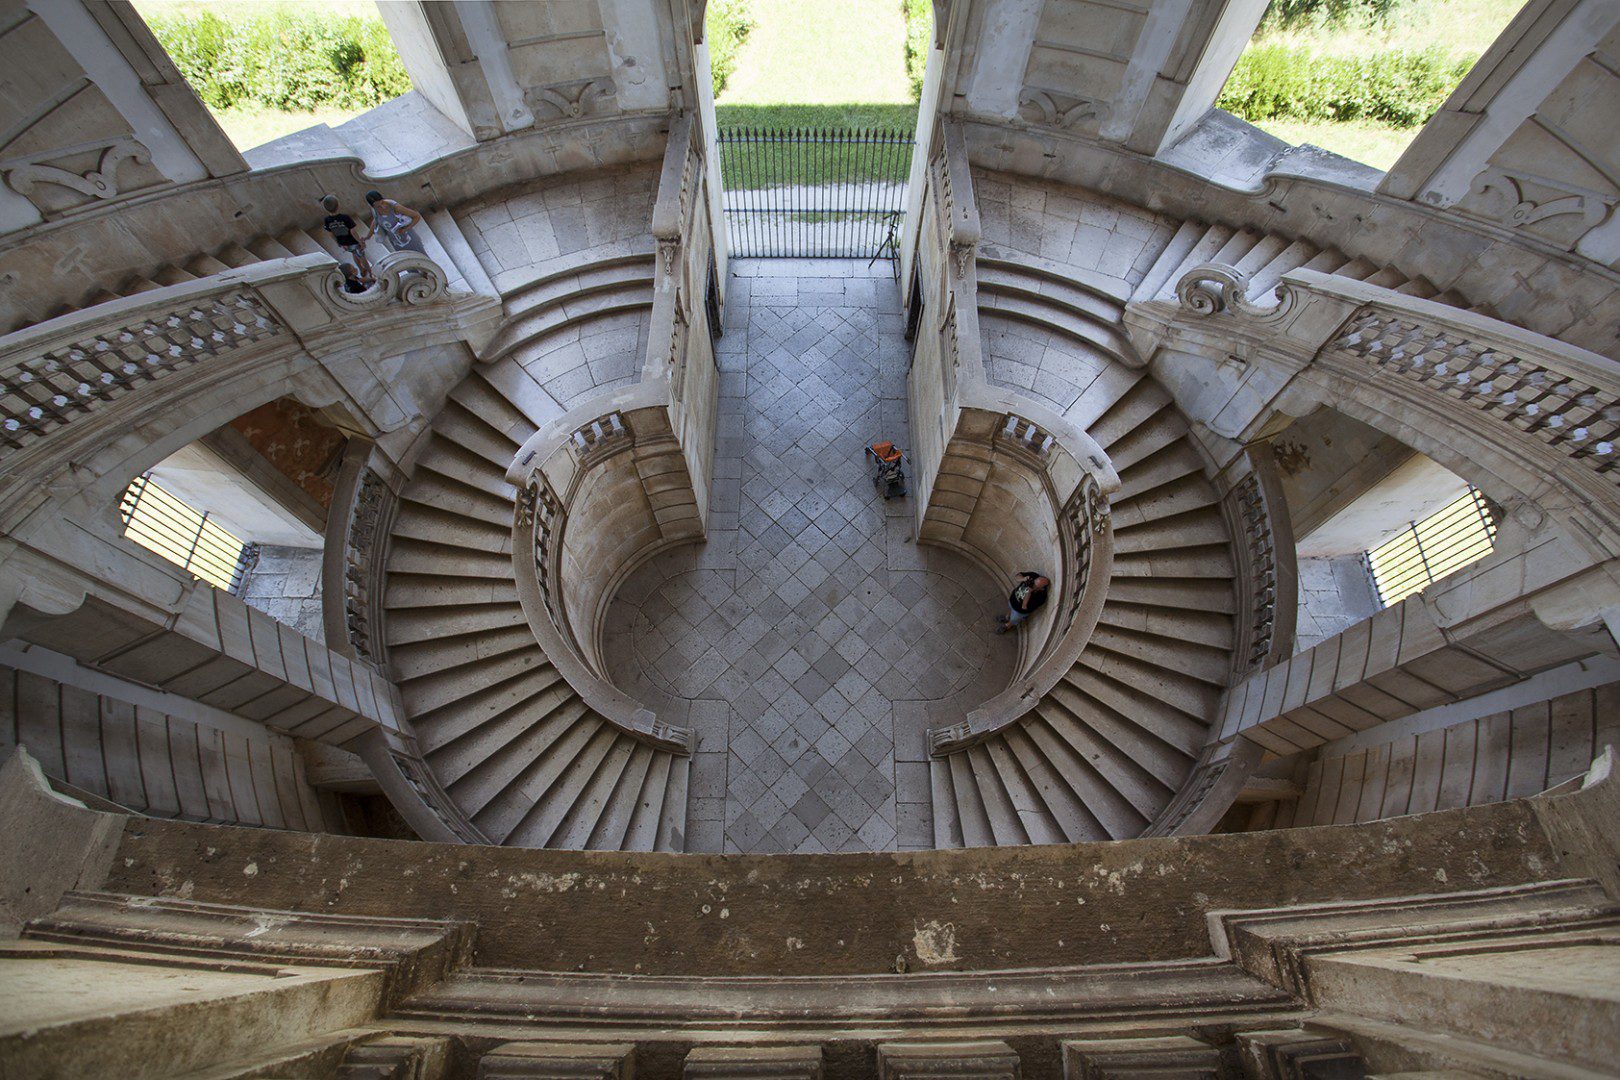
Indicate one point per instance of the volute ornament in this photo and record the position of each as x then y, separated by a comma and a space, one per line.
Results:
1212, 288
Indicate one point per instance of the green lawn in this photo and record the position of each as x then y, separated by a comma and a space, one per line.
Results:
1371, 144
822, 52
818, 65
1459, 27
225, 9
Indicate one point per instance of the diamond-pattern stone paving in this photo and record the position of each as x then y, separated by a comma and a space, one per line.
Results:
810, 642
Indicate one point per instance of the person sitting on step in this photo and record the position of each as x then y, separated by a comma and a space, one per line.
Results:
1025, 600
352, 281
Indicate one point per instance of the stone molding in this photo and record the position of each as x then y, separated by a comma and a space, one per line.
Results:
981, 1059
558, 1061
1276, 944
753, 1063
416, 953
1181, 1056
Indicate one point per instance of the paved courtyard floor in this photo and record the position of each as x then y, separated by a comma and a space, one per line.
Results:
810, 642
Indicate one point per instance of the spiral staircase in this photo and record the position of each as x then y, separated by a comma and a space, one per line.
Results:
524, 758
1106, 749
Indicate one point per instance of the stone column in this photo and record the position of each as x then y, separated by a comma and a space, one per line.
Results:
457, 58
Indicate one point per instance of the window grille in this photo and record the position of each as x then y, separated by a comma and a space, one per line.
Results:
161, 523
1460, 533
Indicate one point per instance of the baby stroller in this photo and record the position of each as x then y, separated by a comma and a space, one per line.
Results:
888, 472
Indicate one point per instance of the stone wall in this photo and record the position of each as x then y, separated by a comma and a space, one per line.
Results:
1334, 594
285, 584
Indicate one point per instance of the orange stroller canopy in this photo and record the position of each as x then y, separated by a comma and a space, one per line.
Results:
886, 452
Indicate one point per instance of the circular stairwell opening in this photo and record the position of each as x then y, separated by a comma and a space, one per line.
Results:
811, 642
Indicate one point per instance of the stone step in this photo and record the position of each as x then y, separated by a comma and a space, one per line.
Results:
591, 804
581, 280
1263, 282
1172, 258
999, 809
408, 555
1047, 280
454, 494
1176, 594
521, 390
647, 815
426, 658
1183, 495
482, 697
407, 591
1010, 300
487, 768
1035, 821
608, 299
429, 524
457, 424
942, 793
1147, 438
1194, 564
407, 627
531, 772
1194, 529
672, 823
1204, 249
1169, 705
1203, 628
970, 807
449, 458
1052, 731
540, 825
1143, 401
1139, 765
1107, 744
426, 695
1074, 819
613, 824
493, 409
1202, 662
1101, 394
1170, 462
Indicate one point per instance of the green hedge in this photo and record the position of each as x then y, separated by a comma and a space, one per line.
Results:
282, 60
726, 24
919, 39
1399, 88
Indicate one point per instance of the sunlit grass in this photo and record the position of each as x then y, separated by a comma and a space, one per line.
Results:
250, 127
822, 52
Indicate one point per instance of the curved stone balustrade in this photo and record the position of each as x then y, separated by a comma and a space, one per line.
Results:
1516, 412
81, 380
586, 517
1076, 552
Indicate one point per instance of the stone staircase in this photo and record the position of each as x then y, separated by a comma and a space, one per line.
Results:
1109, 746
1266, 257
524, 757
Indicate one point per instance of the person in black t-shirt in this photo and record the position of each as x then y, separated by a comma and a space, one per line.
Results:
345, 231
1025, 600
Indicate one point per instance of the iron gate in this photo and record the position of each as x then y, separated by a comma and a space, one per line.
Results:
814, 193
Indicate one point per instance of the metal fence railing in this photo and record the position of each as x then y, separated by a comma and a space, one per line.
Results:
161, 523
814, 192
1459, 533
